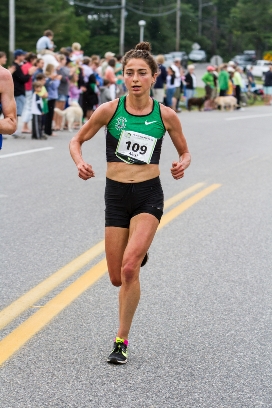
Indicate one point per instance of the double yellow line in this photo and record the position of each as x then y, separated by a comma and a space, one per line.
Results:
18, 337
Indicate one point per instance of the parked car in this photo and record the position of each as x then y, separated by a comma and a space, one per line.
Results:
260, 68
198, 56
182, 56
251, 55
243, 60
168, 60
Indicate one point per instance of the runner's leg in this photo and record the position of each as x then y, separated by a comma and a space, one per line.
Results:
141, 233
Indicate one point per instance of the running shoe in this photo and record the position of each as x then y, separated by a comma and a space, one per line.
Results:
144, 261
119, 353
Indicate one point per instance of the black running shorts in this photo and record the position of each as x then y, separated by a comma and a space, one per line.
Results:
125, 200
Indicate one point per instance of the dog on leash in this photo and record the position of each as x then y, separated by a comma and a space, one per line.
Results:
196, 102
226, 102
73, 114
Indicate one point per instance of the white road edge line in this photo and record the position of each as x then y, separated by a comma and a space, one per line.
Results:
250, 117
3, 156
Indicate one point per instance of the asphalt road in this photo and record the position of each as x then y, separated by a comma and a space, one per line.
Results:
202, 332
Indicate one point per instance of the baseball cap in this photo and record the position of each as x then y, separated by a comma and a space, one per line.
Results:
210, 68
109, 54
19, 52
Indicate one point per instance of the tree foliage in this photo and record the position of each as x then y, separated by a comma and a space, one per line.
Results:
227, 27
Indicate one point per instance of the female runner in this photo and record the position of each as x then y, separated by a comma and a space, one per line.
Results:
135, 125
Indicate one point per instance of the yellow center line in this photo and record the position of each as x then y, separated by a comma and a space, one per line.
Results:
32, 296
16, 339
180, 196
186, 204
27, 300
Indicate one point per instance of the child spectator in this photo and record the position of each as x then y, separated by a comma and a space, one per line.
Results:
105, 93
43, 94
51, 84
74, 91
36, 110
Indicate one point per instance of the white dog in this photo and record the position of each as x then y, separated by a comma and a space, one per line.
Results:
226, 102
72, 114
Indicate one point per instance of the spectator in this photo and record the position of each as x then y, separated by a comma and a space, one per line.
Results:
45, 42
230, 90
76, 52
44, 95
36, 111
238, 83
108, 55
90, 97
74, 91
19, 80
158, 89
208, 79
3, 58
250, 78
190, 80
170, 88
49, 57
223, 80
26, 115
110, 76
39, 64
119, 74
63, 89
268, 86
178, 82
105, 93
51, 84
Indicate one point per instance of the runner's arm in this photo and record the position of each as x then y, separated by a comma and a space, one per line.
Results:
99, 118
173, 126
8, 124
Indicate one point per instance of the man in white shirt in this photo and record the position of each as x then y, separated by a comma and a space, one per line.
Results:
177, 69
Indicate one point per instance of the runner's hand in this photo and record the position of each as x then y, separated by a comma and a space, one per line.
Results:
85, 171
177, 170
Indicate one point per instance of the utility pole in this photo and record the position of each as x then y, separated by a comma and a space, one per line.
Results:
11, 29
178, 26
122, 27
199, 18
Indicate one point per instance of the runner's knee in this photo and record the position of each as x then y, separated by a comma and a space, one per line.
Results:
130, 271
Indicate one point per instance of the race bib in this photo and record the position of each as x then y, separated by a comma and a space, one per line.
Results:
134, 147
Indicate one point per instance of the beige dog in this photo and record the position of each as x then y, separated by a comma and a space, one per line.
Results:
73, 114
226, 102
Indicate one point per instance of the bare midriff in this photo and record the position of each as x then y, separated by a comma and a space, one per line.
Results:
131, 173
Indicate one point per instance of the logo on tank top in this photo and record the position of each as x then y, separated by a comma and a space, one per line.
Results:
121, 123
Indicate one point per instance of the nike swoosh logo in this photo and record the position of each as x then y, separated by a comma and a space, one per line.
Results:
149, 123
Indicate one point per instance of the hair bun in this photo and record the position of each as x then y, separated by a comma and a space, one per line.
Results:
143, 46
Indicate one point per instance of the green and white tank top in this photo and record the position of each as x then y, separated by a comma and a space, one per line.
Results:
135, 139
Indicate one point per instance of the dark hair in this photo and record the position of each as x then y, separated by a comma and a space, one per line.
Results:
141, 51
119, 57
2, 54
30, 57
48, 33
112, 62
106, 82
86, 60
40, 76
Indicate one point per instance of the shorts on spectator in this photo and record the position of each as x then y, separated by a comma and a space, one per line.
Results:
158, 94
20, 103
268, 90
177, 93
62, 98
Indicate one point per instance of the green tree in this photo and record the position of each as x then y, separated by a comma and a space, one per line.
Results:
251, 25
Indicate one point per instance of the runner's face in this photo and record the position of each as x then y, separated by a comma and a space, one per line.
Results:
138, 76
